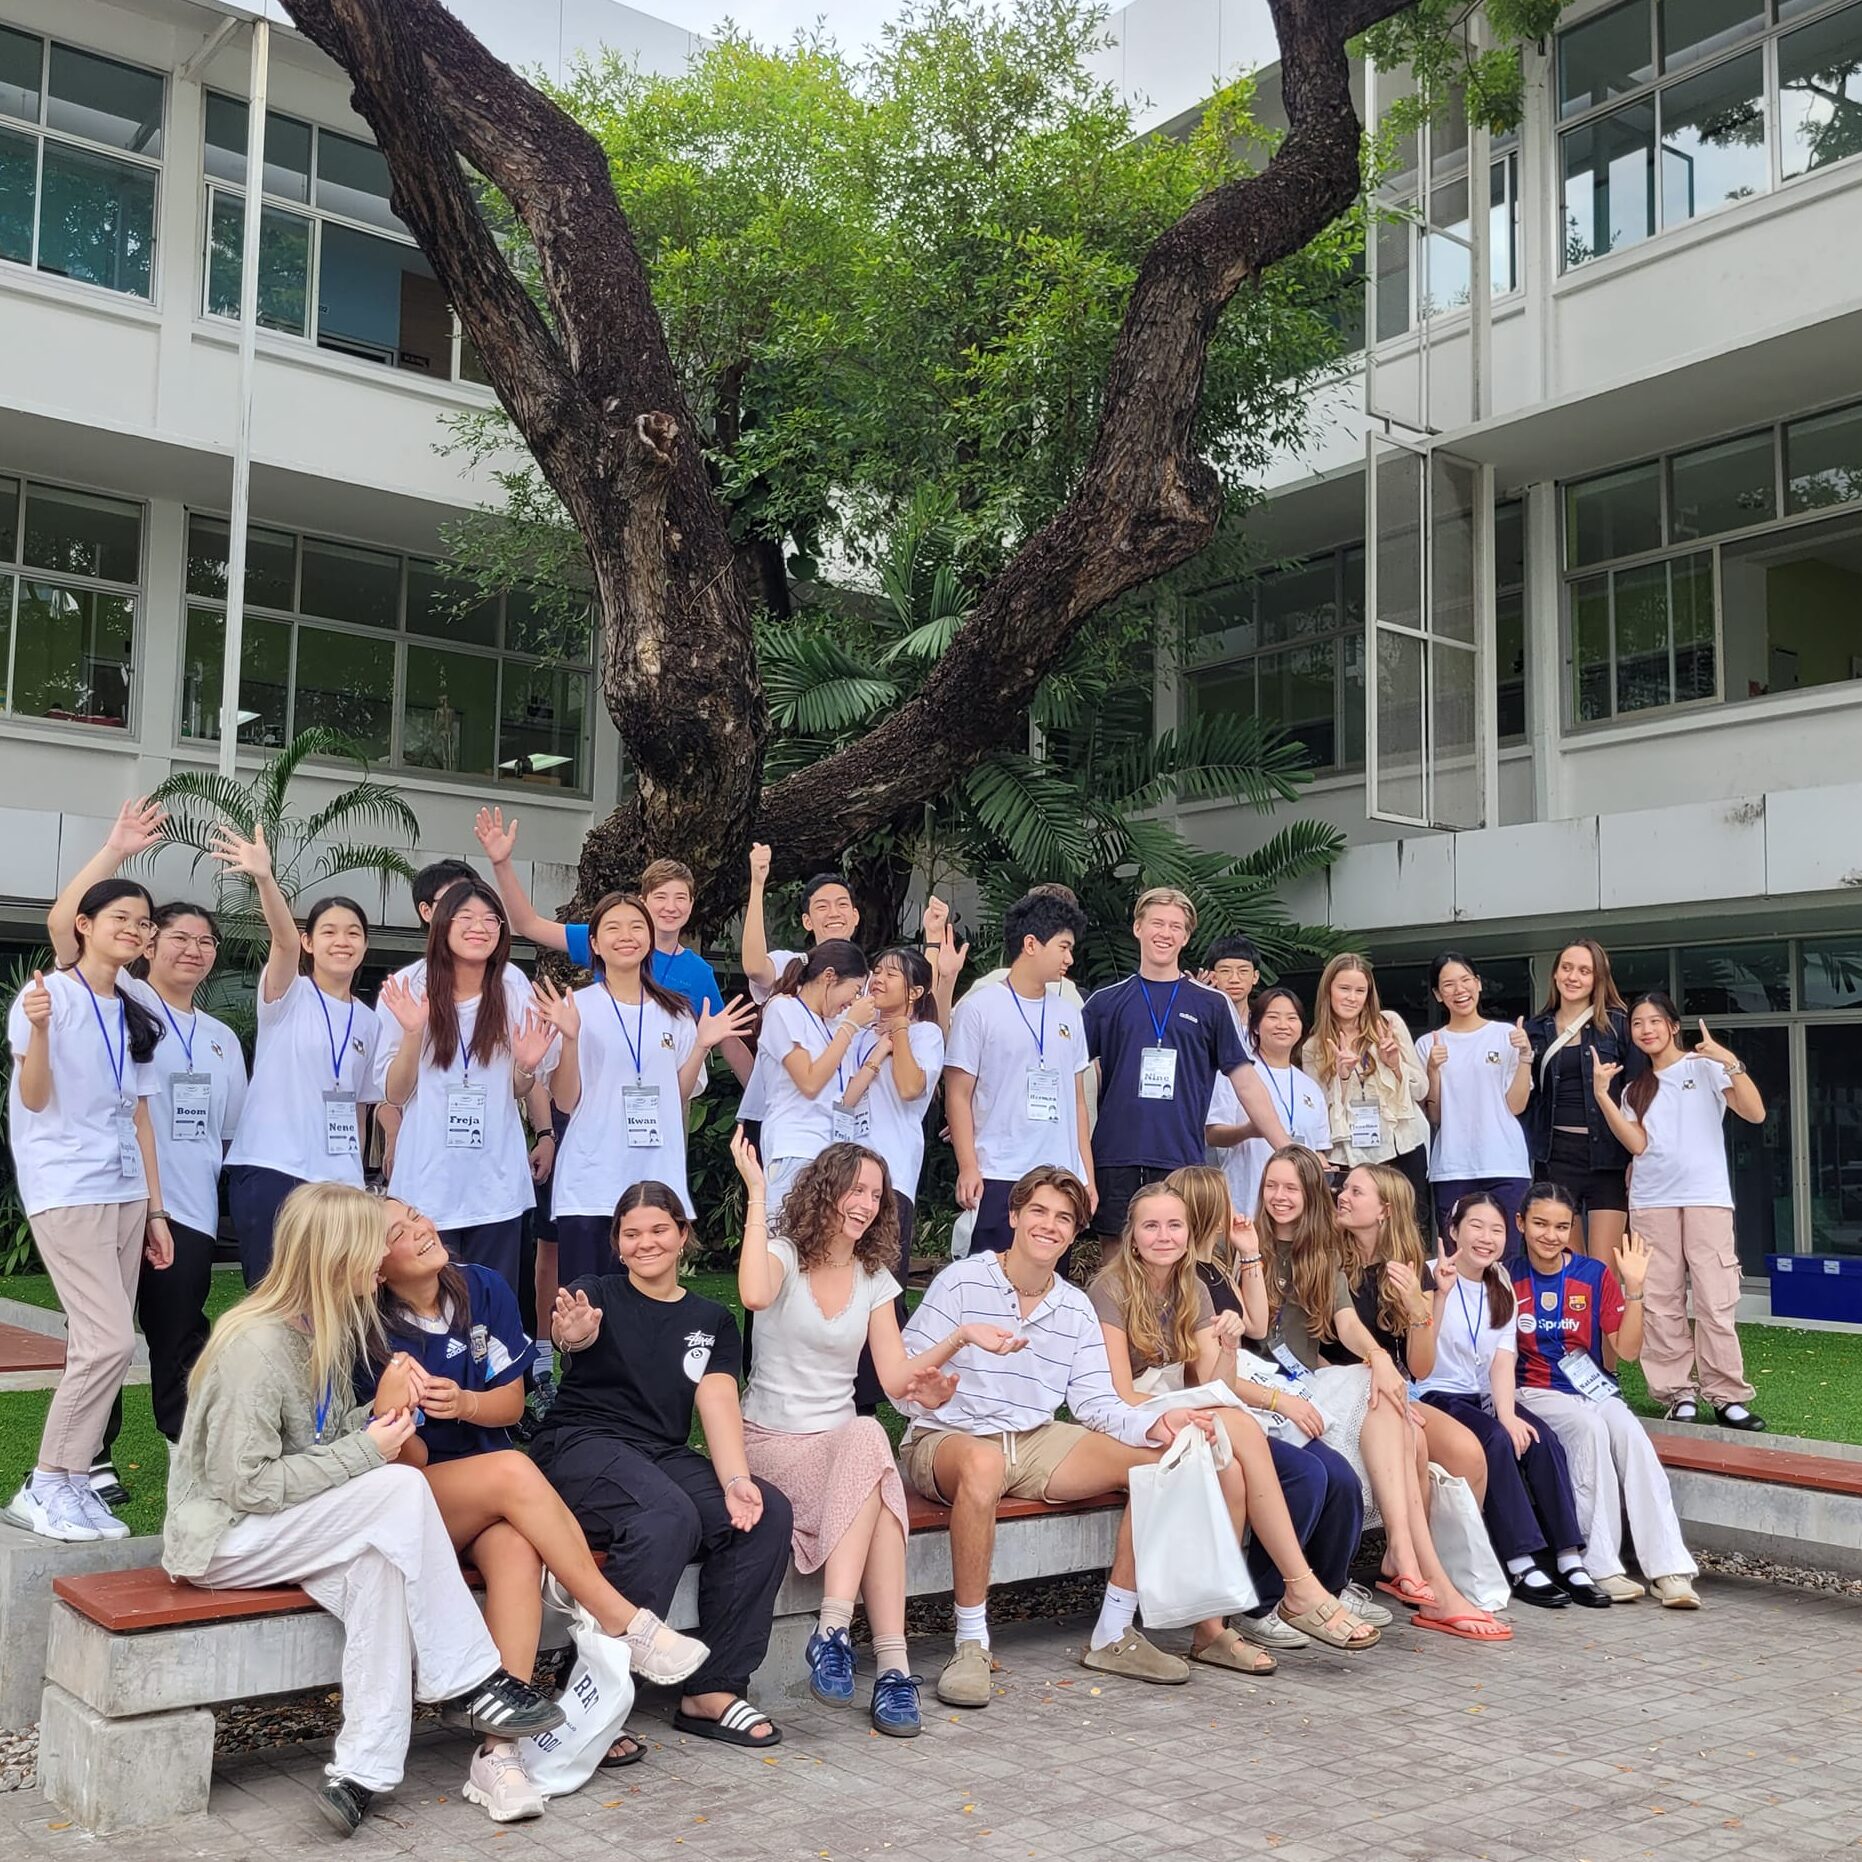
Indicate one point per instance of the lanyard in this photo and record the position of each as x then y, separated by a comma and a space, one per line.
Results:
1468, 1318
1292, 1093
636, 1043
186, 1040
329, 1028
323, 1410
860, 1060
1159, 1024
1040, 1039
117, 1056
827, 1040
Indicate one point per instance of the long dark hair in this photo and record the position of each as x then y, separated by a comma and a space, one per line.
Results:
917, 974
1639, 1094
811, 1215
1499, 1288
655, 991
1265, 1001
491, 1029
400, 1319
839, 954
329, 904
141, 1030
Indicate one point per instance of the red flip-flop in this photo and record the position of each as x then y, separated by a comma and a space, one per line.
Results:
1452, 1626
1412, 1593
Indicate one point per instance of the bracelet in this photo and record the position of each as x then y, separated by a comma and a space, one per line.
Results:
1735, 1069
734, 1479
1273, 1402
1247, 1260
1420, 1325
1632, 1296
158, 1215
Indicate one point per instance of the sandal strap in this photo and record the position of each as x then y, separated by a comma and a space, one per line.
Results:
741, 1717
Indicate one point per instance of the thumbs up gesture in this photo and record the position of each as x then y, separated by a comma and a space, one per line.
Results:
1522, 1041
37, 1001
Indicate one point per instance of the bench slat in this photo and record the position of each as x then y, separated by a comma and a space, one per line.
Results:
1782, 1467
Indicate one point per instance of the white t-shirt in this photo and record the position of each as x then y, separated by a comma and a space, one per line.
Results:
1478, 1136
897, 1126
188, 1148
1685, 1164
755, 1099
459, 1184
76, 1150
793, 1124
1064, 991
1000, 1040
309, 1044
595, 1162
1467, 1341
801, 1381
389, 1039
1300, 1101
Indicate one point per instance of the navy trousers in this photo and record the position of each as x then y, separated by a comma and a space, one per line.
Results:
1529, 1507
253, 1194
1326, 1506
497, 1245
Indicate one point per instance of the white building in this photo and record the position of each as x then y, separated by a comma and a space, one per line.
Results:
1673, 429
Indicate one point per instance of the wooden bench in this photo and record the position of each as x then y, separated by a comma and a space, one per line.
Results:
135, 1661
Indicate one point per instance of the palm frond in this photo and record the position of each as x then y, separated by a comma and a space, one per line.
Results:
352, 857
926, 643
1300, 848
189, 792
1213, 758
368, 801
816, 685
1033, 810
274, 778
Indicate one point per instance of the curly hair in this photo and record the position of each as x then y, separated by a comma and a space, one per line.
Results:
811, 1218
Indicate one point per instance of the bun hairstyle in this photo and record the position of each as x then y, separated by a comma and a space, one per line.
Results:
334, 902
841, 955
1499, 1287
141, 1031
917, 974
1639, 1094
655, 991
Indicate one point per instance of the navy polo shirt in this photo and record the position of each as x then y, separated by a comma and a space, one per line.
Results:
485, 1352
683, 971
1125, 1018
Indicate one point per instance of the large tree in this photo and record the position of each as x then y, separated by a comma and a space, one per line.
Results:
577, 351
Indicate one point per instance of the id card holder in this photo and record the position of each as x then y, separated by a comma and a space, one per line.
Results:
128, 1151
640, 1115
1043, 1096
1290, 1366
1587, 1377
190, 1108
465, 1118
342, 1134
852, 1124
1157, 1073
1367, 1125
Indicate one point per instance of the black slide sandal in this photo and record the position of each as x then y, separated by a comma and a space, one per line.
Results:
733, 1727
609, 1762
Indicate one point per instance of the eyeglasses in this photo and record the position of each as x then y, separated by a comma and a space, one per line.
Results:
480, 921
206, 942
121, 921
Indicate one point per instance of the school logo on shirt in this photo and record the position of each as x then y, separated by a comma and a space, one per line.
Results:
1687, 1086
481, 1343
698, 1353
1493, 1057
355, 1046
665, 1039
219, 1053
1066, 1033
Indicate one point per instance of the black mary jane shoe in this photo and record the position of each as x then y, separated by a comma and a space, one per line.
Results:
1545, 1595
1737, 1416
1581, 1588
1683, 1409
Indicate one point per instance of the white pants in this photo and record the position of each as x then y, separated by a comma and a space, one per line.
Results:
1614, 1467
375, 1554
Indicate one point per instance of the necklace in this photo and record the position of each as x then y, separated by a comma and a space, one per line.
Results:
1039, 1292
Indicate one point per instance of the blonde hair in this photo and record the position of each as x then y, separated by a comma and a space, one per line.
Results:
1124, 1277
1399, 1238
1323, 1043
1303, 1265
329, 1237
1203, 1191
1166, 895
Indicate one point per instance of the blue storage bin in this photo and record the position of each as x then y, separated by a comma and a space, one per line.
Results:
1816, 1286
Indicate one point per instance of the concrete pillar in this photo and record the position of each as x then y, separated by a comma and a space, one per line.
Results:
111, 1775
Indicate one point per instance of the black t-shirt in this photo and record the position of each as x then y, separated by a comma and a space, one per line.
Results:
1221, 1294
1568, 1106
638, 1381
1364, 1303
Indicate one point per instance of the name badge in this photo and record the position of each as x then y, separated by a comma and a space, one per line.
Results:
465, 1118
1367, 1125
342, 1134
1288, 1360
1587, 1377
1044, 1095
190, 1108
128, 1151
852, 1124
640, 1114
1157, 1073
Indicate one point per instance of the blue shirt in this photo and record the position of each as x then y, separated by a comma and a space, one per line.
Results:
682, 971
1125, 1018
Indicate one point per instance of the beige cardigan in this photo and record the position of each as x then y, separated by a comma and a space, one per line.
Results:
1399, 1097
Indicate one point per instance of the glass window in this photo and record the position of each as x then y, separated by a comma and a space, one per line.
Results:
1823, 460
379, 300
345, 683
1617, 514
1503, 227
1735, 979
1832, 974
264, 678
1691, 596
1299, 692
19, 193
1638, 971
1820, 92
1764, 1209
287, 148
97, 220
72, 659
352, 179
1724, 487
1713, 139
1590, 648
542, 725
104, 101
1448, 278
346, 583
1604, 57
1833, 1080
550, 626
80, 533
1696, 29
449, 713
9, 519
271, 563
1609, 182
1510, 662
22, 66
1793, 608
1392, 248
1223, 691
284, 264
1643, 632
1299, 601
449, 608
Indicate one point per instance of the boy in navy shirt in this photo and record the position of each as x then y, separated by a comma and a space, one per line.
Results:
1160, 1038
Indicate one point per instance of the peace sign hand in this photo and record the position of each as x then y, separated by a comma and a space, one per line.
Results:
1389, 1048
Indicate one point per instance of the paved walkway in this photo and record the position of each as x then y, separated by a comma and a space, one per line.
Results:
1591, 1738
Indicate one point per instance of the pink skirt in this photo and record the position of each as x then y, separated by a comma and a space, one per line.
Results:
828, 1478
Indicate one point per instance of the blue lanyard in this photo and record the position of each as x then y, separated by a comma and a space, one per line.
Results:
860, 1060
1474, 1330
117, 1056
827, 1038
329, 1028
1159, 1024
636, 1046
323, 1410
1292, 1093
1039, 1040
186, 1040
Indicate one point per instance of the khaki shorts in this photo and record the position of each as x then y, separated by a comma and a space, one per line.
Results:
1030, 1458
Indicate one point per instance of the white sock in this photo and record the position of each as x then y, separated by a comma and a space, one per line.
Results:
44, 1485
973, 1623
545, 1358
1571, 1561
1518, 1567
1115, 1616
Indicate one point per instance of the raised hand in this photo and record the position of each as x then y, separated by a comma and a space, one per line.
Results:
1444, 1271
743, 1155
1522, 1041
407, 1005
949, 957
138, 827
759, 863
239, 855
1437, 1060
1602, 1073
574, 1321
36, 1000
558, 1007
734, 1019
1713, 1049
495, 835
936, 917
1242, 1238
1389, 1048
1402, 1276
1632, 1262
531, 1040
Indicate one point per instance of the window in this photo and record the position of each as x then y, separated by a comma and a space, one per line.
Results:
68, 599
1725, 597
80, 155
325, 217
1509, 549
419, 668
1668, 106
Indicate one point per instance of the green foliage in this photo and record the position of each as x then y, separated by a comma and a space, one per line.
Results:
1431, 39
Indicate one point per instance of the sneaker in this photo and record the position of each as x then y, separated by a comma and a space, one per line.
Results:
344, 1804
662, 1655
54, 1514
498, 1781
1621, 1589
1365, 1607
1271, 1631
1676, 1592
536, 1408
107, 1484
894, 1711
830, 1668
965, 1681
1137, 1660
96, 1513
502, 1707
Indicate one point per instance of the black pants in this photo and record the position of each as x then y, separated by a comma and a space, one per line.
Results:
1118, 1184
171, 1308
655, 1512
497, 1245
1415, 1167
867, 1391
584, 1245
1529, 1502
1593, 1190
253, 1194
992, 1233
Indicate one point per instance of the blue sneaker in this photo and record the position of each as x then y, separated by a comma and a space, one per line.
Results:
895, 1706
830, 1668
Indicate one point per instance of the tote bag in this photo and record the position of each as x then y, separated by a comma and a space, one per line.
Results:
1189, 1561
1462, 1544
597, 1700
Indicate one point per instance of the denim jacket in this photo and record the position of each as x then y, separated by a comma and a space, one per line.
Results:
1606, 1153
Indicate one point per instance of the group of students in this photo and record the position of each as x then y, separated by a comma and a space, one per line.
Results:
1263, 1193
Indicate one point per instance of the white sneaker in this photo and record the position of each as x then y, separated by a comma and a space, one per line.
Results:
499, 1782
1270, 1631
1621, 1589
1676, 1592
1365, 1607
660, 1654
55, 1514
96, 1513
